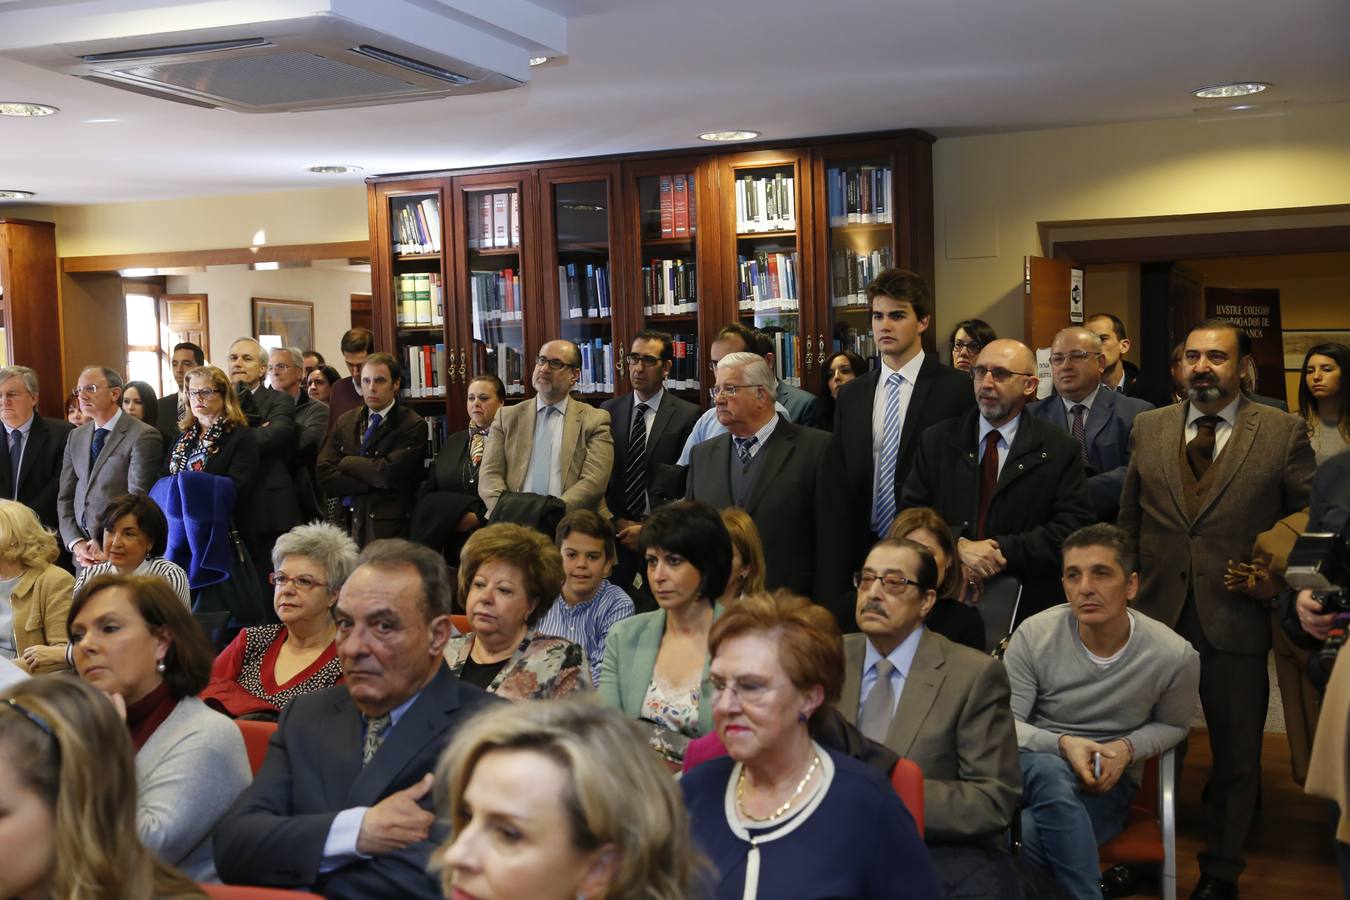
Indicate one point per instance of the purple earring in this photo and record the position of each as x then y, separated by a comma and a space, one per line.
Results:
801, 717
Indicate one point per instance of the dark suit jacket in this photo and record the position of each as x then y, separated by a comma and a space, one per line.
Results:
797, 506
449, 491
1269, 401
40, 470
939, 393
1040, 499
167, 423
675, 418
1263, 474
236, 458
274, 507
1108, 439
954, 720
130, 463
382, 479
275, 832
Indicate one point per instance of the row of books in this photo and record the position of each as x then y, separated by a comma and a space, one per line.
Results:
508, 362
419, 299
669, 288
860, 342
766, 203
496, 297
768, 279
787, 346
417, 224
438, 432
583, 290
850, 273
424, 372
494, 220
685, 369
858, 195
597, 366
679, 208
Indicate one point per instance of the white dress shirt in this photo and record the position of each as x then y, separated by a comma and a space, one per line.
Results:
1222, 431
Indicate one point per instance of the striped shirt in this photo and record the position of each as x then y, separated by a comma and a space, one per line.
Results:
588, 623
155, 566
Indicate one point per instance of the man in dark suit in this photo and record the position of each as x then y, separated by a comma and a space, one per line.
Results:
879, 416
1205, 478
285, 367
111, 454
1011, 486
373, 460
785, 477
1119, 374
650, 426
186, 357
30, 469
342, 804
1098, 418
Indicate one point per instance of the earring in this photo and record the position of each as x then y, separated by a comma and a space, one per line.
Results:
801, 717
159, 666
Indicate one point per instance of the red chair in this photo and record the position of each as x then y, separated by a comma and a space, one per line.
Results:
907, 779
240, 892
256, 735
461, 623
1150, 833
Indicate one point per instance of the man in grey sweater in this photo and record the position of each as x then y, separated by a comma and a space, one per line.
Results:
1096, 690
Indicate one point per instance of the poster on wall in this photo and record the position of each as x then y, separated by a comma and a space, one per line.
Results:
283, 323
1257, 311
1076, 296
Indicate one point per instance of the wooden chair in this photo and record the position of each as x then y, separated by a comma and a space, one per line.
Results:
1150, 833
907, 779
256, 735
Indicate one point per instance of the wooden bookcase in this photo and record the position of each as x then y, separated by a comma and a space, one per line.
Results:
503, 300
29, 310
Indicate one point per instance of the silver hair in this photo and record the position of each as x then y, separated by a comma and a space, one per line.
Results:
251, 340
755, 367
295, 353
30, 378
327, 545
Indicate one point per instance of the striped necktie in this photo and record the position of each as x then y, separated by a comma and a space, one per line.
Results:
883, 511
635, 467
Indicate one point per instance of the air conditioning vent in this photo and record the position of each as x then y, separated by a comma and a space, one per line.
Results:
177, 50
412, 65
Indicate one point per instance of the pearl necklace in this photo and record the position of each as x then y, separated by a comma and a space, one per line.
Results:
801, 786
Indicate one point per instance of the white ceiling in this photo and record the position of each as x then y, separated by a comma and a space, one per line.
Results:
652, 74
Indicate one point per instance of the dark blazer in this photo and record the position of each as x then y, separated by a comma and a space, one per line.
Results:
797, 506
274, 507
1269, 401
130, 462
40, 470
1107, 430
381, 480
675, 418
275, 832
1040, 499
236, 458
1263, 474
449, 491
939, 393
167, 423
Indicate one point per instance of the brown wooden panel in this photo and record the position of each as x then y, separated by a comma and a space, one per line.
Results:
1045, 301
1164, 248
32, 309
184, 259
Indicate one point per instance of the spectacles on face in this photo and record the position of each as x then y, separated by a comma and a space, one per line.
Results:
747, 691
280, 367
203, 393
891, 584
1076, 357
88, 390
301, 582
1001, 375
553, 365
965, 347
635, 359
729, 390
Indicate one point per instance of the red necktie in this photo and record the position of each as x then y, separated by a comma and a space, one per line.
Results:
988, 481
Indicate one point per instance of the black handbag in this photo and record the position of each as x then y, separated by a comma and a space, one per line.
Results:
542, 512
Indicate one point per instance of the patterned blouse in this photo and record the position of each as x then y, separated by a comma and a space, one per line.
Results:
540, 668
243, 679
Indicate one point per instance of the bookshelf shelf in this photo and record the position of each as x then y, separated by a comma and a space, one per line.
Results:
763, 235
416, 257
494, 251
668, 242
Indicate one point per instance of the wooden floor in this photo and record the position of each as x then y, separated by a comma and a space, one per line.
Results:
1289, 853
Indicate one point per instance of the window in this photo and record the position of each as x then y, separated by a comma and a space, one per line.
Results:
143, 337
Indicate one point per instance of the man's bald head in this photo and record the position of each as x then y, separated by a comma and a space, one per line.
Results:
1005, 380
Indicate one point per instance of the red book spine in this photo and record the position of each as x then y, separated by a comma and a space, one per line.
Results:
509, 276
667, 208
681, 207
774, 292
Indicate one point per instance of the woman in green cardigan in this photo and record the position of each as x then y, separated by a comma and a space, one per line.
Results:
656, 664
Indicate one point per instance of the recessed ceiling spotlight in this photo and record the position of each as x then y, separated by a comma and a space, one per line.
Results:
728, 135
15, 195
539, 60
334, 170
25, 110
1229, 91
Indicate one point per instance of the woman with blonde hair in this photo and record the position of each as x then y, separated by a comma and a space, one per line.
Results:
215, 437
34, 592
747, 555
561, 800
69, 790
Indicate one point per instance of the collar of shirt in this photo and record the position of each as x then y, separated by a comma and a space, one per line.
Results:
763, 435
22, 429
397, 712
909, 371
568, 609
1086, 401
1228, 413
382, 413
901, 657
111, 423
560, 406
653, 404
1008, 430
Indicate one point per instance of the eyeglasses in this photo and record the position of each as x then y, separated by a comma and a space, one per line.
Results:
280, 367
203, 393
891, 584
1000, 374
746, 692
634, 359
729, 390
88, 390
965, 347
1077, 356
554, 365
301, 582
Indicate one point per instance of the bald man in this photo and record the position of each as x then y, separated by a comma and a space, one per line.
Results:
1011, 486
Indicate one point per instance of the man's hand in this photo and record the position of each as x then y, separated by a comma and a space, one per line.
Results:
626, 533
396, 821
1078, 752
982, 557
87, 553
1310, 615
468, 522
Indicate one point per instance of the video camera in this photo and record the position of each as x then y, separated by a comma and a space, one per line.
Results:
1318, 562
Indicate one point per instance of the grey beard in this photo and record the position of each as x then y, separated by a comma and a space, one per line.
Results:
1204, 394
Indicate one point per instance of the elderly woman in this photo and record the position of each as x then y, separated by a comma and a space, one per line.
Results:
139, 402
656, 664
134, 534
782, 816
69, 789
138, 644
592, 812
508, 577
950, 617
747, 555
34, 593
267, 666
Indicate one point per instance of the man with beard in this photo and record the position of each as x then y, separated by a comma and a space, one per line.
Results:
1206, 476
1011, 486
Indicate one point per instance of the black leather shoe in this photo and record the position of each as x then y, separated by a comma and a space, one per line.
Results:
1119, 881
1211, 888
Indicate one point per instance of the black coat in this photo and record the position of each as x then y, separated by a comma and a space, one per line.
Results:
449, 491
236, 458
40, 470
275, 507
675, 418
382, 479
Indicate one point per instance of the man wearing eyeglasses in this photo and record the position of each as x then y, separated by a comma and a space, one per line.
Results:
109, 455
285, 367
31, 469
1011, 486
649, 427
1094, 415
553, 445
786, 477
940, 704
186, 357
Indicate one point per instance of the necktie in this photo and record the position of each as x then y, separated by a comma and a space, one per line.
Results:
96, 446
883, 509
988, 481
15, 455
1079, 433
476, 438
376, 729
375, 420
744, 446
1200, 450
541, 456
635, 469
879, 707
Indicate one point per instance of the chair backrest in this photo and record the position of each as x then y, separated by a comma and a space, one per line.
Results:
460, 622
256, 735
240, 892
907, 779
998, 607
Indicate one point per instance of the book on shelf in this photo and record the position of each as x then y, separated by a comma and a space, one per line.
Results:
681, 204
766, 203
495, 296
419, 299
597, 366
667, 207
851, 272
859, 195
418, 227
438, 432
860, 342
423, 371
510, 368
678, 209
669, 287
768, 282
583, 290
501, 220
787, 349
684, 369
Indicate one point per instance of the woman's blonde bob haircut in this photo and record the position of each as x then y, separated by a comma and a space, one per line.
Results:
618, 794
745, 539
221, 382
23, 539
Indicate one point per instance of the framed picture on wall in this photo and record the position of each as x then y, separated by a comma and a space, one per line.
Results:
1297, 343
283, 323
